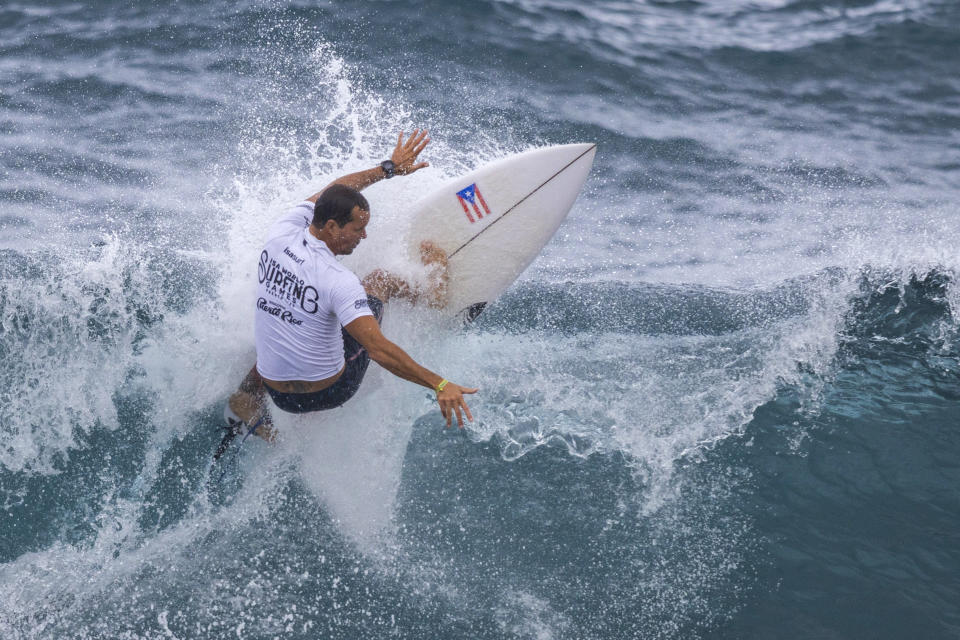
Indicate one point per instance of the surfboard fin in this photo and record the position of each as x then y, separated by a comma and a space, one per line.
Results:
470, 314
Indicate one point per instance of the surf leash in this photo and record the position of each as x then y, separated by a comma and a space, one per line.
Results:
226, 442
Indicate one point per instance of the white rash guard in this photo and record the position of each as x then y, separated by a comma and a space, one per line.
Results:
304, 296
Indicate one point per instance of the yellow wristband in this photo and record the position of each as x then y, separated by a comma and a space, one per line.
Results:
442, 384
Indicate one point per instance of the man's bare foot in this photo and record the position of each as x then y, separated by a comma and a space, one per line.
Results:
433, 256
266, 430
430, 253
386, 286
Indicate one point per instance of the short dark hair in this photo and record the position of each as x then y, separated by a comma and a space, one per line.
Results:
336, 203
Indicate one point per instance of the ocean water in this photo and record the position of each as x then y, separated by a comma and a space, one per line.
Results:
722, 404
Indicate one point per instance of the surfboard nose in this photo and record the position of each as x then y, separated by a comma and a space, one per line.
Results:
577, 148
493, 221
580, 151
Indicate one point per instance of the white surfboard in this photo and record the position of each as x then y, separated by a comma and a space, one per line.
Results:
495, 220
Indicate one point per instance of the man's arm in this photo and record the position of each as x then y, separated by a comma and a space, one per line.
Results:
388, 355
404, 158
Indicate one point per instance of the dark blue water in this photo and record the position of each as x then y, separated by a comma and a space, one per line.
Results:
722, 403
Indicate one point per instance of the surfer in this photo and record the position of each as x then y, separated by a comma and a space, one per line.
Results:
317, 325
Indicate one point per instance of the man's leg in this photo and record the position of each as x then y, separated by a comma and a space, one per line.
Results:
247, 402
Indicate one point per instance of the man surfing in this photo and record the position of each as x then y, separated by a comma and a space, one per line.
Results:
317, 326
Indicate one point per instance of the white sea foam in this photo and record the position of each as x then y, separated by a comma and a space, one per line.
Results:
71, 328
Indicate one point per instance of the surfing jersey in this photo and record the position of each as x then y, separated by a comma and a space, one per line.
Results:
304, 296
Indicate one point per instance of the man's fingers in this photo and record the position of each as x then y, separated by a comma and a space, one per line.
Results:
456, 404
405, 171
417, 137
412, 140
415, 144
405, 155
411, 153
446, 414
447, 411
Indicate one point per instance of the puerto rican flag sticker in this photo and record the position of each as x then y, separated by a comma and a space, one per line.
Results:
471, 196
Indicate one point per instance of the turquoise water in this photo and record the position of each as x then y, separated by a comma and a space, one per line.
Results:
722, 403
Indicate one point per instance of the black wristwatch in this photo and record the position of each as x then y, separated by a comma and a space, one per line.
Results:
388, 168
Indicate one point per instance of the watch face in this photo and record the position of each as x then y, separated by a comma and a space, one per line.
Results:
388, 167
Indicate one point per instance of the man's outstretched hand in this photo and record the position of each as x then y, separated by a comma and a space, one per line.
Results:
404, 156
452, 402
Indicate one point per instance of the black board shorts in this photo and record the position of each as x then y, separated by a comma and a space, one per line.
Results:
343, 389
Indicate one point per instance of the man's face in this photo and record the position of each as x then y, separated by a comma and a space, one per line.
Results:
349, 235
